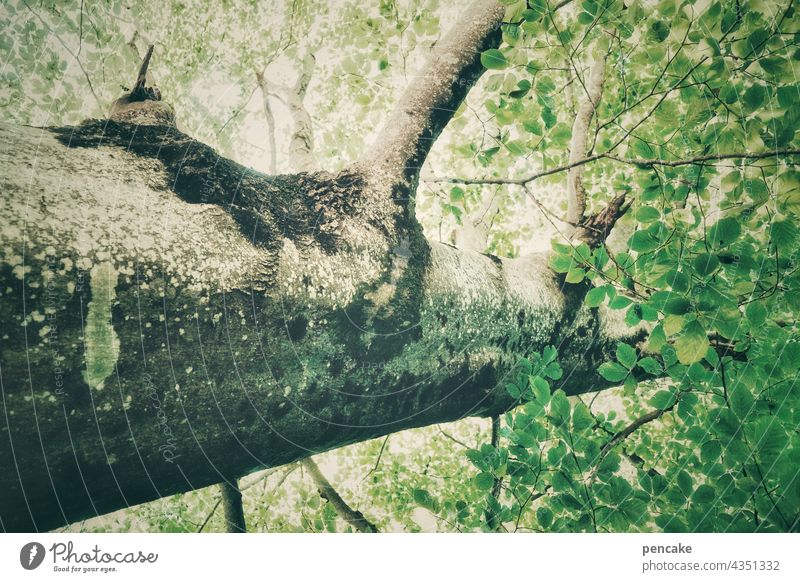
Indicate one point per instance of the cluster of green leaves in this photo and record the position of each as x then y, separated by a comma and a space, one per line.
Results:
708, 269
708, 455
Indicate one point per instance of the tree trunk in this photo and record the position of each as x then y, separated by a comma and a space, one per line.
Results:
173, 319
232, 507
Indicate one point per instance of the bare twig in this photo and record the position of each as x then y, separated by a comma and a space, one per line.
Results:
633, 427
66, 48
452, 438
210, 515
644, 162
380, 456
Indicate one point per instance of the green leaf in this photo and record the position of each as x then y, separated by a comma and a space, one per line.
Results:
711, 451
658, 31
754, 97
626, 355
677, 306
581, 417
533, 126
619, 302
657, 339
755, 42
663, 399
647, 214
756, 189
678, 280
559, 406
483, 481
692, 344
642, 242
650, 365
756, 314
612, 371
545, 85
595, 296
575, 275
544, 516
704, 264
724, 232
741, 400
513, 390
549, 117
768, 438
553, 371
704, 494
423, 498
633, 316
630, 385
685, 483
541, 390
493, 59
783, 233
560, 263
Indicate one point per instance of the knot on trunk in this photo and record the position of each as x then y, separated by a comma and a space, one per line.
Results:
143, 105
595, 229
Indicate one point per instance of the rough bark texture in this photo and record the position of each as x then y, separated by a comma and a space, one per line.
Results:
173, 320
156, 343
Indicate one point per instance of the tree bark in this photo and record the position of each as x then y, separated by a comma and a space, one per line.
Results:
173, 320
576, 192
232, 506
155, 343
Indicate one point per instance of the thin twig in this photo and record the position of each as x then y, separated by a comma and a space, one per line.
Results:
380, 455
210, 514
646, 162
452, 438
66, 48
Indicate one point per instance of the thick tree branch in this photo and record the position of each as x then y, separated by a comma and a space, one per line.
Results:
301, 146
473, 232
576, 193
269, 118
430, 101
595, 229
273, 316
327, 491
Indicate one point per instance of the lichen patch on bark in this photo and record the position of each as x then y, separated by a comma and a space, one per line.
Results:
100, 340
